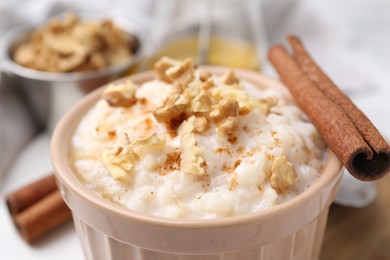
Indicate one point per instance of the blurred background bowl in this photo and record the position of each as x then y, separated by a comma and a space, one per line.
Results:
50, 94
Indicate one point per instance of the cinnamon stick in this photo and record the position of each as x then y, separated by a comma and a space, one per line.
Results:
367, 130
30, 194
42, 217
37, 208
344, 128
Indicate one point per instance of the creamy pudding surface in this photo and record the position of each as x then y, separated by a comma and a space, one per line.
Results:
189, 144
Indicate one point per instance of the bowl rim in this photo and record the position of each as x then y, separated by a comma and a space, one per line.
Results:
12, 37
67, 177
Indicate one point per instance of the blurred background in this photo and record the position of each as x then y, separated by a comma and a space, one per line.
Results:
350, 39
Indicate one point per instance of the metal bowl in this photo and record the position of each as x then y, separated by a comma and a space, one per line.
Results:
50, 94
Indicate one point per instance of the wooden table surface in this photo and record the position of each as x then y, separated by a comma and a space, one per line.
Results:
360, 234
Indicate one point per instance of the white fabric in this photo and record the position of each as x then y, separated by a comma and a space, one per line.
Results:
16, 126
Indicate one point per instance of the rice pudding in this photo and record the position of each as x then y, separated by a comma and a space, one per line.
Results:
189, 144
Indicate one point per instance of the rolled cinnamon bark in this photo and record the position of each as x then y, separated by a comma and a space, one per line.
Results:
367, 130
330, 118
25, 197
41, 217
37, 208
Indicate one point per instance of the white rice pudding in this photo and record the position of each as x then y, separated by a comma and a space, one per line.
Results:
191, 145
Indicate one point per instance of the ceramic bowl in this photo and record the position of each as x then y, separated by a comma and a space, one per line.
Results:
291, 230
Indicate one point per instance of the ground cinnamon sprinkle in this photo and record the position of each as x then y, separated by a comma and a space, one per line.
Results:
174, 124
230, 168
236, 163
205, 180
232, 139
226, 168
233, 183
143, 101
111, 134
171, 163
222, 149
269, 157
148, 124
241, 150
277, 141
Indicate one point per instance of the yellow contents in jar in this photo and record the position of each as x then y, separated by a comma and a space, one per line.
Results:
222, 51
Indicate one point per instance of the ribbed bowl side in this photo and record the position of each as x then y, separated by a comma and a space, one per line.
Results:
305, 244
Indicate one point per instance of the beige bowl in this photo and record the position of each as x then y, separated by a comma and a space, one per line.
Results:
292, 230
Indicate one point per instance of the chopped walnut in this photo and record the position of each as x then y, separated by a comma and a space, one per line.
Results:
152, 142
119, 161
173, 98
204, 76
245, 102
177, 71
162, 65
229, 78
171, 115
207, 84
233, 183
200, 124
170, 70
187, 96
120, 95
191, 157
283, 173
227, 127
117, 172
201, 102
267, 103
226, 108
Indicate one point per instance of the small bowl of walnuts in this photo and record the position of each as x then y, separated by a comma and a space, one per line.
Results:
56, 63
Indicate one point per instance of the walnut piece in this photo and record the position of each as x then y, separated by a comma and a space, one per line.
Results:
120, 95
227, 127
200, 124
161, 67
178, 70
119, 161
142, 146
265, 104
187, 96
201, 102
283, 173
191, 160
117, 172
171, 115
204, 76
235, 92
229, 78
170, 70
208, 84
226, 108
